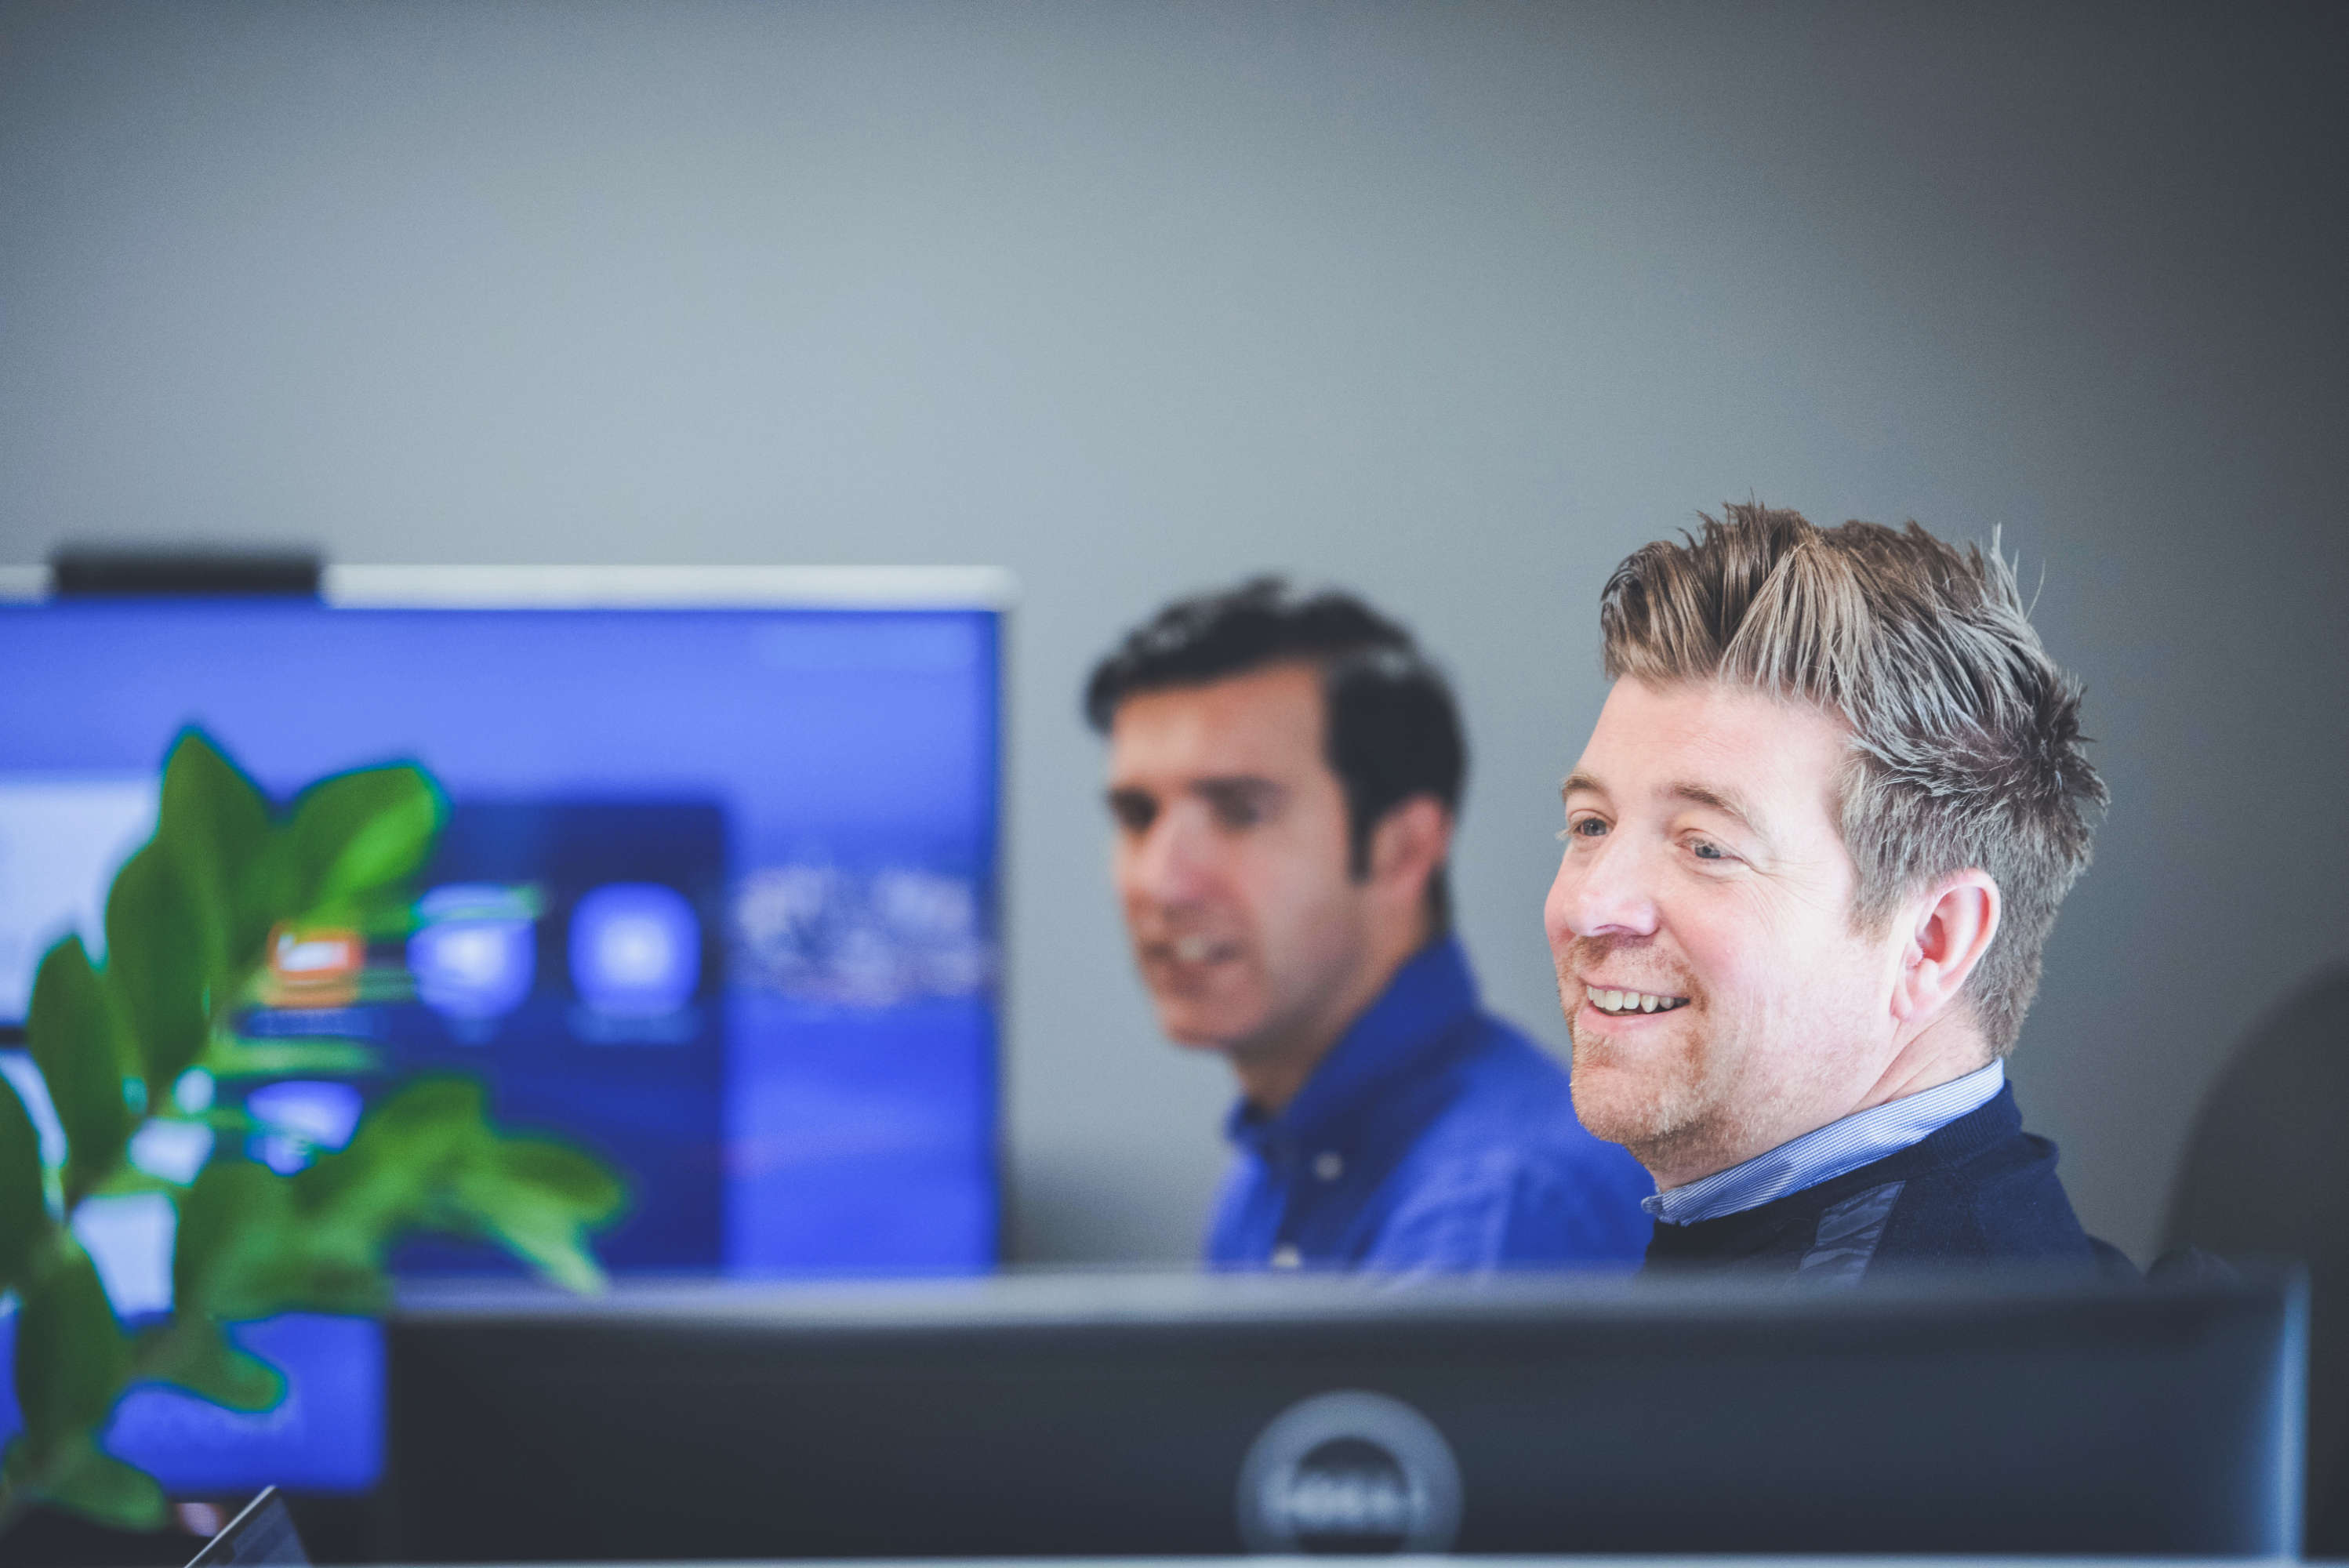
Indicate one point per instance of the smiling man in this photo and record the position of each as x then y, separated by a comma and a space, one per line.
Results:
1813, 849
1283, 775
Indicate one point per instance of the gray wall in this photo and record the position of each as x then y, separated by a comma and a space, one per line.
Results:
1455, 302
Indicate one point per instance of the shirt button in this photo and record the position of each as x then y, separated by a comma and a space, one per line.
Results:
1328, 1165
1286, 1256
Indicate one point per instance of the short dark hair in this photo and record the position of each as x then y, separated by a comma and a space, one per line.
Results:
1390, 730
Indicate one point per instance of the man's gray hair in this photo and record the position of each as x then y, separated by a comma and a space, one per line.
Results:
1966, 749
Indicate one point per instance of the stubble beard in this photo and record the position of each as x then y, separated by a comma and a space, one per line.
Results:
1657, 1110
1663, 1103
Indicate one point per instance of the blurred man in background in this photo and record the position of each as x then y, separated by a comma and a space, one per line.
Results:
1813, 849
1284, 774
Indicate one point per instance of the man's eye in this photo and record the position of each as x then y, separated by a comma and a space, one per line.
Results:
1238, 813
1706, 851
1584, 827
1133, 816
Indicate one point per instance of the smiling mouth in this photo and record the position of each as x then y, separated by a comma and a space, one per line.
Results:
1631, 1003
1195, 950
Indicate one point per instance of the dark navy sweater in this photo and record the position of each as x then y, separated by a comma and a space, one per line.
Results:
1980, 1190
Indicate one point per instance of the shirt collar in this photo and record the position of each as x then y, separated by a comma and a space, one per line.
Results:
1826, 1152
1431, 993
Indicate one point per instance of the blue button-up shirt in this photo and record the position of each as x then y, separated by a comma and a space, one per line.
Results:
1434, 1138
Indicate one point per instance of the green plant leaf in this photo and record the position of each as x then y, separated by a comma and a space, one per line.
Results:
93, 1076
166, 948
71, 1356
24, 1220
244, 1249
538, 1198
197, 1355
81, 1477
399, 1173
252, 1243
406, 1146
215, 823
357, 834
428, 1156
232, 1205
387, 913
129, 1181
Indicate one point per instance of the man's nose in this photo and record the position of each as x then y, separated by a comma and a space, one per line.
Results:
1606, 889
1168, 865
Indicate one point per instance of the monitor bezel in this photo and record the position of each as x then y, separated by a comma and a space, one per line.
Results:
549, 586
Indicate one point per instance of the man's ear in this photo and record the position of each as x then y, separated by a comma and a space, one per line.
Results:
1949, 931
1409, 841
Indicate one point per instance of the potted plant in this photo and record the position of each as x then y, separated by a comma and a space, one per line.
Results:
190, 924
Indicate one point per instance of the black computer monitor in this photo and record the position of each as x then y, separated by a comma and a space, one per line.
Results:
1109, 1417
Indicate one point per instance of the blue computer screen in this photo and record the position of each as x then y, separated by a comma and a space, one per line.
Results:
715, 900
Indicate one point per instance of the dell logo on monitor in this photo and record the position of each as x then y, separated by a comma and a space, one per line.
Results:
1350, 1472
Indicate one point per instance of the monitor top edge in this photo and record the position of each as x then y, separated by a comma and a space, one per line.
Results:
610, 587
558, 587
1063, 1300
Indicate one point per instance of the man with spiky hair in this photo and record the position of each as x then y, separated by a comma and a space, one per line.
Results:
1813, 849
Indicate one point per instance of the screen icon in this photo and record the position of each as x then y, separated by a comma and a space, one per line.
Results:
475, 956
298, 1119
315, 968
636, 950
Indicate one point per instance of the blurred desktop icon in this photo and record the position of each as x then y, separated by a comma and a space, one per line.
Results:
865, 940
174, 1151
475, 954
314, 969
300, 1119
636, 950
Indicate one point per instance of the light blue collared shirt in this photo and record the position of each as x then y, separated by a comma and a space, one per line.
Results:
1826, 1152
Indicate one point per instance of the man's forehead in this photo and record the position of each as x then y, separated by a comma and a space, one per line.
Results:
1707, 743
1265, 722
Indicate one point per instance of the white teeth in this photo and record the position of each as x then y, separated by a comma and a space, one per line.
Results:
1193, 949
1623, 1004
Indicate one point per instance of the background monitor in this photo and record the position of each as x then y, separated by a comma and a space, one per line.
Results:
715, 900
1111, 1417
